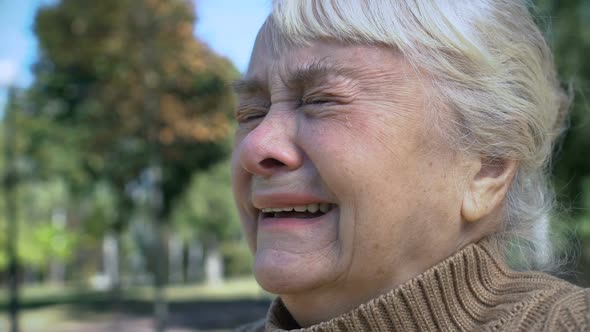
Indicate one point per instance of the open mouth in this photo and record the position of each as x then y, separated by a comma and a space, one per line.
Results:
309, 211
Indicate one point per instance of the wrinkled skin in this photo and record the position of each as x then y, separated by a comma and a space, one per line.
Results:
349, 125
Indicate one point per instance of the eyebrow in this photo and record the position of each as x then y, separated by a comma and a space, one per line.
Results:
249, 86
316, 71
305, 74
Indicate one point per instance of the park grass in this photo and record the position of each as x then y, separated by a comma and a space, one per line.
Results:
39, 295
38, 319
244, 288
45, 306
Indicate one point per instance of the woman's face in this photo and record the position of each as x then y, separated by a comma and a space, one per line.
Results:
346, 131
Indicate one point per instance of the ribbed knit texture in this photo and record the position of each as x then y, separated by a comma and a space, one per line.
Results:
474, 290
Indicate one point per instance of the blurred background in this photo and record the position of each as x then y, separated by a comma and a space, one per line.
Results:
116, 211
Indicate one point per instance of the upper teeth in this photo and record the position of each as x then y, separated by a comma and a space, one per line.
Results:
313, 208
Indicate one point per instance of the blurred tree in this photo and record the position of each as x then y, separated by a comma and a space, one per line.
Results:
206, 215
45, 242
98, 67
10, 178
140, 95
567, 26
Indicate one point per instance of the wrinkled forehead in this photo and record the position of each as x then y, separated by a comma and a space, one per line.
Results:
262, 52
275, 56
268, 49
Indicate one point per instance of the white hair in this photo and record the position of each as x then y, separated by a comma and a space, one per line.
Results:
491, 67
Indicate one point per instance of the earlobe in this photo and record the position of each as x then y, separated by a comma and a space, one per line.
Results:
470, 210
487, 188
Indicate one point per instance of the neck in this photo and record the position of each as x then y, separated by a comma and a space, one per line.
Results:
319, 306
324, 303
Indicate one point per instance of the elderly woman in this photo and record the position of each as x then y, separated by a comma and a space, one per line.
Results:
391, 161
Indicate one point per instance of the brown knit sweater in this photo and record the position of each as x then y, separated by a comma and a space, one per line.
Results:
473, 290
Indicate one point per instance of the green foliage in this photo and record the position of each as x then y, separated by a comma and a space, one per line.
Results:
43, 231
120, 86
3, 253
39, 198
41, 244
567, 24
567, 27
128, 80
100, 211
237, 258
583, 219
43, 234
206, 212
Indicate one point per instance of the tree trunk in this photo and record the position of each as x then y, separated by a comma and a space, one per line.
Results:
213, 264
160, 278
57, 268
110, 254
10, 182
175, 249
139, 270
57, 272
195, 261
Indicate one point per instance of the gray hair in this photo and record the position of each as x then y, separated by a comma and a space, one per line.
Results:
491, 67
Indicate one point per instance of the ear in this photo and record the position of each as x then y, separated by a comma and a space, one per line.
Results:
487, 188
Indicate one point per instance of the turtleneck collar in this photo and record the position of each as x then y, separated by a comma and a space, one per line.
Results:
469, 290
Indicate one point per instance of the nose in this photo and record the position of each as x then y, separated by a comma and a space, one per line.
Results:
270, 147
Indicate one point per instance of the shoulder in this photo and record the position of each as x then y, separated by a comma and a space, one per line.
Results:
257, 326
570, 311
559, 306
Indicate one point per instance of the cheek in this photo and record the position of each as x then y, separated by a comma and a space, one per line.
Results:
374, 161
328, 147
354, 140
241, 192
237, 177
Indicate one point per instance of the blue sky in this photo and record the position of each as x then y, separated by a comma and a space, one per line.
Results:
228, 26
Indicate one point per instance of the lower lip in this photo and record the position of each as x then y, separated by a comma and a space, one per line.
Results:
294, 222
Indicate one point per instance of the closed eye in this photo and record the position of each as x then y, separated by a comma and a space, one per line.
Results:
317, 102
249, 115
253, 117
314, 101
325, 98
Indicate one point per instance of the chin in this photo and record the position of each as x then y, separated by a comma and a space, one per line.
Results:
283, 274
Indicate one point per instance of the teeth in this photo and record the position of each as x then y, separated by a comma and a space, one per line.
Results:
313, 208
